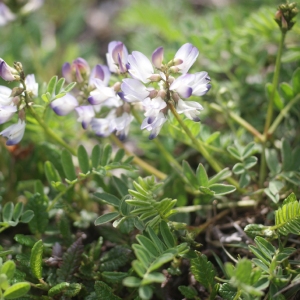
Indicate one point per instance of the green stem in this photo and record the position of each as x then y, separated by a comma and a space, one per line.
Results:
199, 145
282, 114
240, 121
145, 166
170, 159
193, 208
54, 201
46, 127
274, 86
263, 164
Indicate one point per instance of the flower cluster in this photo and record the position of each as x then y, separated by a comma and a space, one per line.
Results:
152, 85
13, 101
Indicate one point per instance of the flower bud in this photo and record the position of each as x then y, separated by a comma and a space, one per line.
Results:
22, 115
162, 94
153, 94
6, 72
174, 70
117, 86
155, 77
77, 71
16, 91
157, 57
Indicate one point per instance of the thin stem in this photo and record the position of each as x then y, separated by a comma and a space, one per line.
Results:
145, 166
193, 208
263, 164
46, 128
274, 86
282, 114
171, 160
199, 145
240, 121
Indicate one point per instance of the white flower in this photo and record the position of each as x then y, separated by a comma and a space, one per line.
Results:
6, 113
140, 66
155, 126
187, 55
85, 115
191, 109
101, 93
31, 85
134, 90
5, 14
64, 105
14, 133
191, 84
101, 72
117, 57
5, 93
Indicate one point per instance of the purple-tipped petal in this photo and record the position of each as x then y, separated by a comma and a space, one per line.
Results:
85, 115
64, 105
67, 71
116, 52
6, 71
117, 57
188, 54
6, 113
14, 133
158, 57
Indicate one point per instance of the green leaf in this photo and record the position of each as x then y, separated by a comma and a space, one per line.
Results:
132, 281
157, 242
287, 218
254, 230
153, 277
286, 91
188, 292
59, 85
147, 244
51, 85
27, 216
68, 166
8, 211
120, 186
69, 87
103, 291
277, 100
8, 268
244, 180
286, 153
189, 174
266, 247
106, 218
106, 155
160, 261
25, 240
96, 156
36, 259
225, 173
139, 268
167, 235
39, 222
238, 168
83, 159
296, 81
108, 198
17, 290
261, 265
290, 198
58, 289
18, 210
227, 291
248, 150
249, 162
201, 175
234, 152
272, 161
124, 208
38, 187
113, 277
119, 155
203, 271
51, 173
222, 189
145, 292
